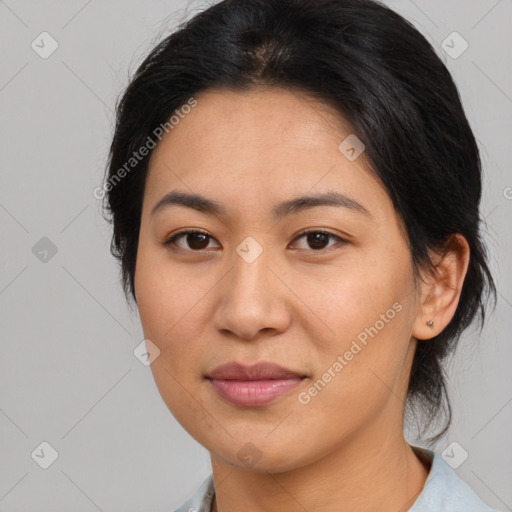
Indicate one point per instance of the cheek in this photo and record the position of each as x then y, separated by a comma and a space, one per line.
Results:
165, 297
364, 310
168, 311
344, 299
174, 316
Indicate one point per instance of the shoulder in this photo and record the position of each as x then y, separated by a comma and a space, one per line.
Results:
445, 491
202, 499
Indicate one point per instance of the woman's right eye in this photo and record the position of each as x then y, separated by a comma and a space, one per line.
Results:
196, 240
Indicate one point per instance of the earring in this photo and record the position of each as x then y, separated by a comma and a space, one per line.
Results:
430, 323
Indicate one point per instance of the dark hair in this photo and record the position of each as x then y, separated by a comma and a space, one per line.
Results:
381, 75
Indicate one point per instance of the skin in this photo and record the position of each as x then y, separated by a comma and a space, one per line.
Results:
295, 305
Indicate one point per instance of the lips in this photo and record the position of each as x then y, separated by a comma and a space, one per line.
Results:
255, 385
259, 371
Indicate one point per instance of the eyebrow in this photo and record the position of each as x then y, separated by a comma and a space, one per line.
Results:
293, 206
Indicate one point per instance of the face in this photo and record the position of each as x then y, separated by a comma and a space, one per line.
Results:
336, 306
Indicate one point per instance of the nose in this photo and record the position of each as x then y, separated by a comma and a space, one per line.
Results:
253, 299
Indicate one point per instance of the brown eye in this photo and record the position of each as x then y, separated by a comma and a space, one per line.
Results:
318, 240
194, 240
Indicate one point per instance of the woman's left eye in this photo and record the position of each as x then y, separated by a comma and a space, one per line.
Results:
317, 238
198, 240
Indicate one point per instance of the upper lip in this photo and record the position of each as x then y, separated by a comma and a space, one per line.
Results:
260, 371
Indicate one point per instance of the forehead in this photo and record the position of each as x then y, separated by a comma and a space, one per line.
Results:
267, 143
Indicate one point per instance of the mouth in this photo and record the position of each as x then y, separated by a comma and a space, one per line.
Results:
255, 385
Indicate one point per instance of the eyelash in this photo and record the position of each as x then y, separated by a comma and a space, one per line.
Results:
174, 237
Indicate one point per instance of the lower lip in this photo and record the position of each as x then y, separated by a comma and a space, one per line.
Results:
253, 392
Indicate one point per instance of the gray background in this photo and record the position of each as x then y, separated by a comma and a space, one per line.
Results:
67, 369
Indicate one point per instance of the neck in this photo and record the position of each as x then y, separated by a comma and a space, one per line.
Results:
381, 475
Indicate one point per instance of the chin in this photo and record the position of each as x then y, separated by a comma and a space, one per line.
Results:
265, 456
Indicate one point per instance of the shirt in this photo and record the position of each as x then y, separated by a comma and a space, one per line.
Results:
443, 491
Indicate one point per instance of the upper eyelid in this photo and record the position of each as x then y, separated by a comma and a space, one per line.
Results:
317, 230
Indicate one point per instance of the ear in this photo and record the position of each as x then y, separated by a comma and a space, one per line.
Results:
441, 289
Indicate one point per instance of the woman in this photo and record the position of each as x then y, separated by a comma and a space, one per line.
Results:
294, 190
